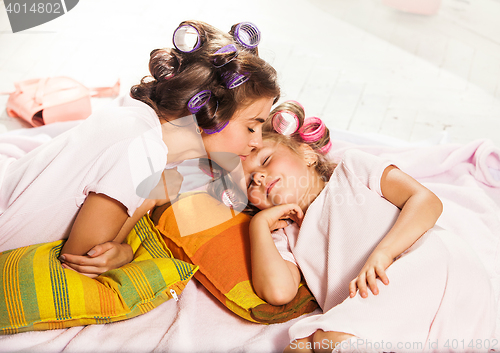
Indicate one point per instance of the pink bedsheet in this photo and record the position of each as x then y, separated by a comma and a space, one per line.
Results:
465, 177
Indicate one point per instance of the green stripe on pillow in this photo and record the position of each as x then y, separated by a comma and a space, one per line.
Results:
39, 294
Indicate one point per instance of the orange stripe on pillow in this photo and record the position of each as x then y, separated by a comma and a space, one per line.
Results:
226, 254
106, 298
11, 287
138, 279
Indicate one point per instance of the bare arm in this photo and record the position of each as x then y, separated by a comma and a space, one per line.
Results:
420, 209
99, 220
274, 279
103, 225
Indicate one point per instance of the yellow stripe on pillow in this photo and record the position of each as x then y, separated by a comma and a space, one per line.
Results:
39, 294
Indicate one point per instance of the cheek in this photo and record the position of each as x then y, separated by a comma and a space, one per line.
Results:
234, 141
255, 198
222, 142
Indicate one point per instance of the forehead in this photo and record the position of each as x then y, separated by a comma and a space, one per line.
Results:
268, 146
258, 108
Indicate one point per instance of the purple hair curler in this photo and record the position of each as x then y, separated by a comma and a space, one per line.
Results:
247, 34
234, 79
198, 100
186, 39
312, 130
230, 48
219, 127
285, 122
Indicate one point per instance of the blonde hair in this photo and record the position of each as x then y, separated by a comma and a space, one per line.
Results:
222, 182
324, 167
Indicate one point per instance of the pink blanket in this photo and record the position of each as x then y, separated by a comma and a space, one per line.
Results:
465, 177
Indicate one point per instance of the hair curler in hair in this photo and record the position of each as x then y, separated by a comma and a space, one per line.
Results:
285, 122
221, 61
187, 39
295, 102
228, 198
326, 148
247, 34
312, 130
233, 79
198, 101
219, 127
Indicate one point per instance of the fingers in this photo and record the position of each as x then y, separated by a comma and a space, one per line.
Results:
100, 249
353, 288
361, 283
83, 270
281, 223
367, 279
372, 281
294, 212
382, 275
85, 264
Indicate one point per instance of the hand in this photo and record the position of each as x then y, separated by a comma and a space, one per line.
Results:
374, 267
99, 259
276, 216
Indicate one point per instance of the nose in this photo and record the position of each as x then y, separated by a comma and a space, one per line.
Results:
258, 177
256, 142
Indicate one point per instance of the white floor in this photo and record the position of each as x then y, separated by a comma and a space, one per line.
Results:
357, 64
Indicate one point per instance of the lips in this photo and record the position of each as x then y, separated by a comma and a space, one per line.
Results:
243, 157
270, 186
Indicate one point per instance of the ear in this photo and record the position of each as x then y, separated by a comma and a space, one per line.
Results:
310, 157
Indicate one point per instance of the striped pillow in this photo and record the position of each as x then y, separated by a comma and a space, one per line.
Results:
203, 231
39, 294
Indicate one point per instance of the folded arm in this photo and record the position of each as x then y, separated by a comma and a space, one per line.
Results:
96, 246
274, 279
420, 209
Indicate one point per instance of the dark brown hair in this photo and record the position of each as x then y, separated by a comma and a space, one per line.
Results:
177, 76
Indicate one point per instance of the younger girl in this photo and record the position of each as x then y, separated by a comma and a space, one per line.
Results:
212, 93
360, 225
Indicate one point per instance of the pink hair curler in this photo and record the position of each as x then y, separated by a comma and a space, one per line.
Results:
294, 101
326, 148
186, 39
285, 122
228, 198
247, 34
312, 130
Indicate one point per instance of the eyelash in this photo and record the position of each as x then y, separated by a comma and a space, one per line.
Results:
251, 130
